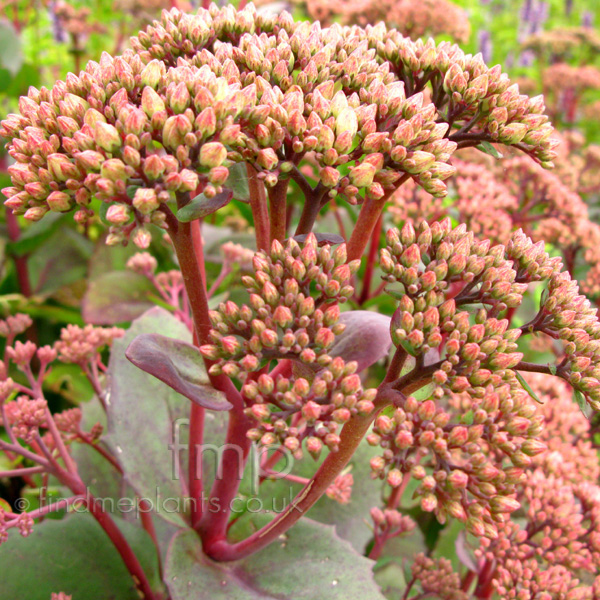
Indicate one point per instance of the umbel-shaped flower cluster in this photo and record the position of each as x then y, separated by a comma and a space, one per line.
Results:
200, 92
468, 441
293, 314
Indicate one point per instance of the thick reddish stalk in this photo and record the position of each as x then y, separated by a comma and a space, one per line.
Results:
123, 548
258, 203
238, 425
278, 209
371, 260
367, 219
213, 525
351, 436
197, 415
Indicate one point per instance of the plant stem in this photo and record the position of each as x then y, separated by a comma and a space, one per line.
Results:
278, 210
238, 423
371, 259
213, 525
195, 471
310, 210
123, 548
367, 219
258, 203
351, 436
21, 472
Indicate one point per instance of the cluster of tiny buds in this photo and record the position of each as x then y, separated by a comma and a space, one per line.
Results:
319, 408
142, 263
26, 416
282, 319
22, 521
200, 92
436, 576
391, 523
570, 317
14, 325
80, 345
60, 596
341, 489
449, 452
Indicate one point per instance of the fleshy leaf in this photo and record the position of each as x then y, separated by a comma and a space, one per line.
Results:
488, 148
75, 556
117, 297
201, 206
311, 563
144, 415
366, 338
237, 182
179, 365
581, 402
527, 387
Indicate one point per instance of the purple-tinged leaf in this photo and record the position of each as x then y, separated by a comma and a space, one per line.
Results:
33, 568
117, 297
278, 572
201, 206
179, 365
366, 338
462, 551
147, 421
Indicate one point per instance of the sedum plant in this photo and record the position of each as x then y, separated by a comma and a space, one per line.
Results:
227, 108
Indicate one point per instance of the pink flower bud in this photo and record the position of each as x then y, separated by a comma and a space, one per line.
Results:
174, 131
107, 137
145, 200
324, 338
314, 446
151, 102
283, 316
212, 154
59, 202
504, 504
62, 168
118, 214
429, 503
362, 175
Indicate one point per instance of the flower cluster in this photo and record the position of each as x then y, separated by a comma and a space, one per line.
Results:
171, 116
283, 319
26, 416
413, 19
458, 453
293, 313
559, 43
554, 550
81, 345
469, 442
436, 576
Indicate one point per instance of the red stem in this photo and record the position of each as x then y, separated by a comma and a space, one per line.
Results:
278, 210
351, 436
238, 423
371, 260
123, 548
367, 219
197, 412
258, 203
